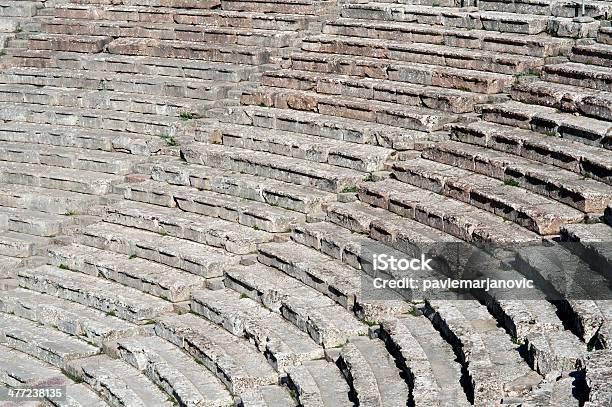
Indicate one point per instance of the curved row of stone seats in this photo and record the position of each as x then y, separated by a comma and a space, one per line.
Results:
434, 376
425, 32
548, 120
325, 126
215, 205
43, 342
246, 186
109, 297
232, 237
371, 373
527, 209
117, 382
558, 8
152, 278
567, 166
182, 254
18, 369
448, 215
584, 295
494, 366
69, 317
476, 18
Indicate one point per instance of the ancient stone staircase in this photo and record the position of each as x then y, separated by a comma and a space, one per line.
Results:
191, 193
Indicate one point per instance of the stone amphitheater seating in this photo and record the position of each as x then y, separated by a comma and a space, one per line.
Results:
191, 193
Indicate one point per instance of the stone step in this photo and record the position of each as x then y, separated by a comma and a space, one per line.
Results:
78, 137
195, 258
65, 179
449, 17
355, 156
471, 38
592, 243
170, 87
569, 98
387, 113
8, 267
105, 100
182, 15
268, 396
305, 7
179, 70
434, 377
567, 9
246, 186
445, 214
42, 342
22, 245
127, 122
173, 371
235, 361
147, 276
491, 359
433, 54
550, 122
418, 72
554, 393
597, 378
236, 54
45, 200
582, 295
114, 299
450, 100
153, 4
282, 343
232, 237
517, 205
571, 73
319, 383
90, 44
584, 160
213, 204
19, 9
327, 323
69, 317
593, 54
118, 383
332, 127
177, 32
36, 223
68, 157
18, 368
371, 373
604, 35
292, 170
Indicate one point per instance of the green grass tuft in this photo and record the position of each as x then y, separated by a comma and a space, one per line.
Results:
511, 183
350, 189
